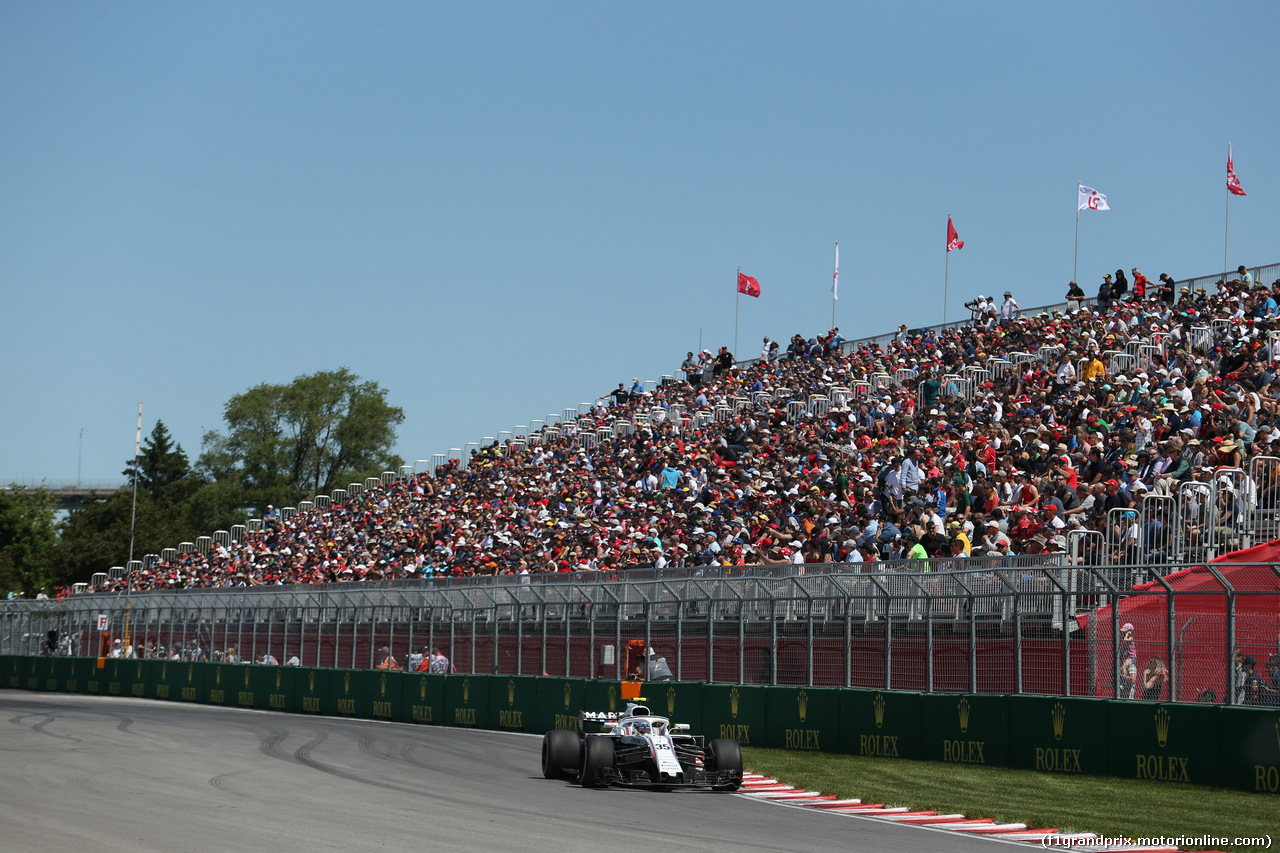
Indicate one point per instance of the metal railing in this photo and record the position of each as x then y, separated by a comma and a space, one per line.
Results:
1013, 625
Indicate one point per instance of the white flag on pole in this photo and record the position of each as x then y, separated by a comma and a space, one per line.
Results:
835, 278
1091, 199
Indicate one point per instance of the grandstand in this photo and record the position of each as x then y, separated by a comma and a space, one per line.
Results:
836, 445
993, 490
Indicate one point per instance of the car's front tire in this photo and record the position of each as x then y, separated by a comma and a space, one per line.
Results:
560, 754
597, 760
725, 754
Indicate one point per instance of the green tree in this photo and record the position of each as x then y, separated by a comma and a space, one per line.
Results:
163, 470
27, 529
285, 443
96, 535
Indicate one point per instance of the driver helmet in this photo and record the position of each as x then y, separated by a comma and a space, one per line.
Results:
642, 727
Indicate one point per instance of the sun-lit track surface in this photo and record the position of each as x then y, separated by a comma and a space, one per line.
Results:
114, 774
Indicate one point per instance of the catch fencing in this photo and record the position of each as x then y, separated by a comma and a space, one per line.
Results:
1035, 625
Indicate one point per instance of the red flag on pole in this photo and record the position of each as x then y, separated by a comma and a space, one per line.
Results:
1233, 183
953, 239
748, 285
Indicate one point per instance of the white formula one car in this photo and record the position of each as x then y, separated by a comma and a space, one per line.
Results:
637, 748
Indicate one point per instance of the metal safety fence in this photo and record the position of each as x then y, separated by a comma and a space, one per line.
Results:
1036, 625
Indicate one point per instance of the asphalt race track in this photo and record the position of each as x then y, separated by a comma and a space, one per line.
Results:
108, 774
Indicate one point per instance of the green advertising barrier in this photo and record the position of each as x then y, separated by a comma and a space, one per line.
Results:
513, 702
367, 693
1058, 734
184, 681
53, 674
422, 696
1164, 742
220, 684
9, 670
310, 686
1251, 755
734, 711
79, 670
270, 686
602, 695
965, 729
32, 677
118, 676
145, 675
95, 678
678, 701
559, 701
880, 723
160, 687
804, 718
466, 700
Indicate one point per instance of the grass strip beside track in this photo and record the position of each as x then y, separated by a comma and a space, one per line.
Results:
1098, 804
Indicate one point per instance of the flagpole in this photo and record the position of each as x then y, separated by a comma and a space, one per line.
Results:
946, 276
1226, 231
1075, 263
834, 285
737, 297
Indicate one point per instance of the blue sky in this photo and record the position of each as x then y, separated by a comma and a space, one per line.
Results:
500, 210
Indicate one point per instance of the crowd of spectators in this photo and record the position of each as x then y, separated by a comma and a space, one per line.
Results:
917, 467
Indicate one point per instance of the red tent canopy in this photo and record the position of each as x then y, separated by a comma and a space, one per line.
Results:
1188, 628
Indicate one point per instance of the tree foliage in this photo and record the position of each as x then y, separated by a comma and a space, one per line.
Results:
27, 529
163, 470
285, 443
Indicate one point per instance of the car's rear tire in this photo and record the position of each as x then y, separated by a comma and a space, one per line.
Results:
725, 754
560, 754
597, 761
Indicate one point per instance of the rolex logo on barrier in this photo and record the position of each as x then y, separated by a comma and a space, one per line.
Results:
311, 683
568, 694
511, 691
217, 676
802, 704
466, 690
383, 686
733, 703
246, 677
164, 671
671, 701
1059, 712
963, 707
422, 689
1162, 726
878, 705
139, 675
346, 683
613, 697
191, 671
277, 679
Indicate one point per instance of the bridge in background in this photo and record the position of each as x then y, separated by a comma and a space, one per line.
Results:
72, 495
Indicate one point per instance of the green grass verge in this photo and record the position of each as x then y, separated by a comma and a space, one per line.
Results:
1099, 804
